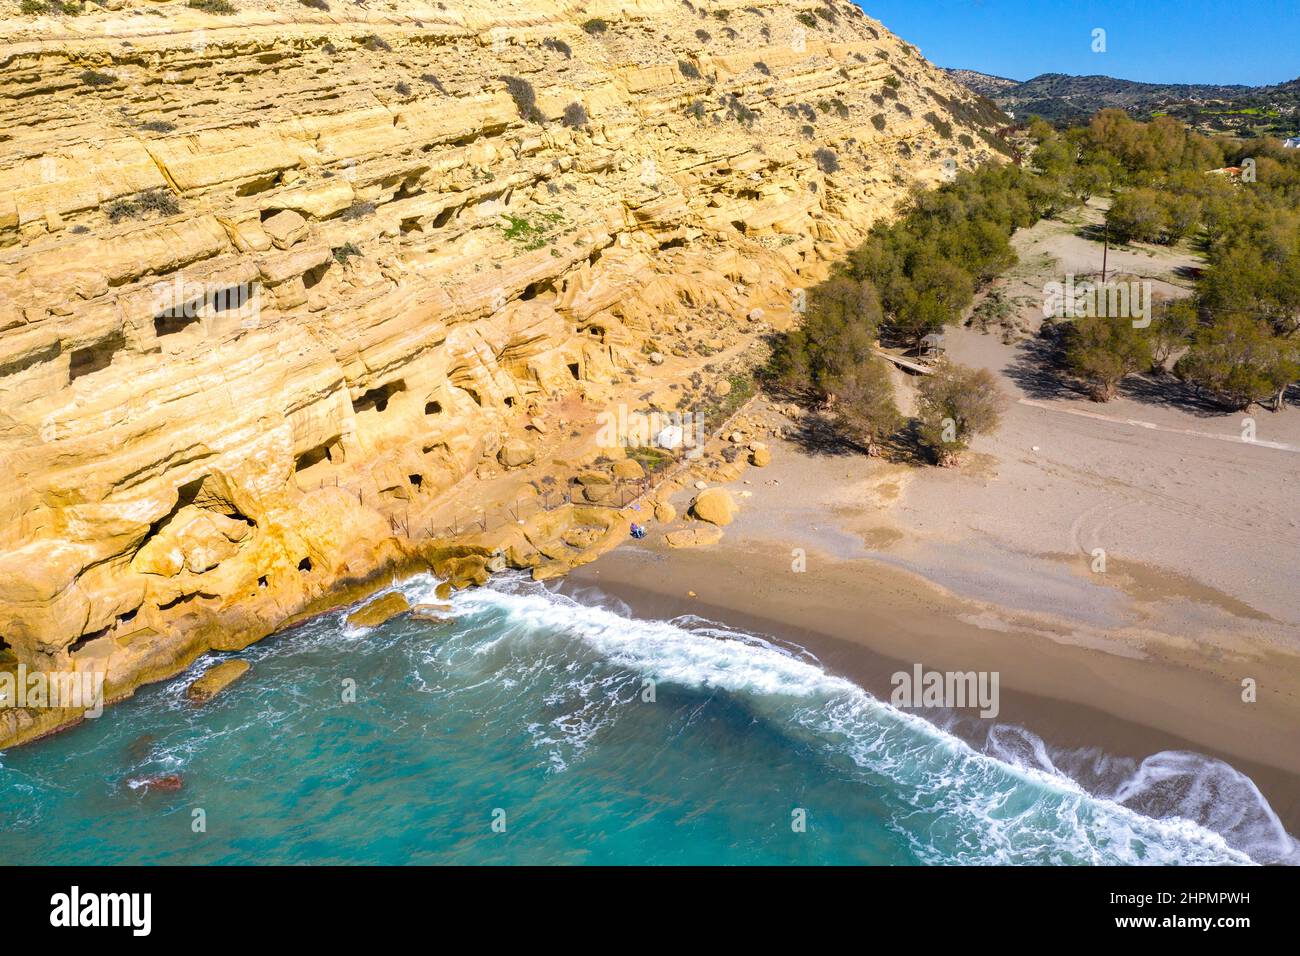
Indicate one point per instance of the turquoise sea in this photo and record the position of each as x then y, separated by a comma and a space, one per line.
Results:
538, 729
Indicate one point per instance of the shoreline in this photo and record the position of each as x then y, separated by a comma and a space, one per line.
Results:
864, 620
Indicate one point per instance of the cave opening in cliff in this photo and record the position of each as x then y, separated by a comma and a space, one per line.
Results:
533, 288
433, 408
96, 357
416, 480
304, 564
314, 456
85, 639
575, 370
176, 319
312, 277
376, 399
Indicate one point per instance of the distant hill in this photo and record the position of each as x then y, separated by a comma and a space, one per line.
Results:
1061, 99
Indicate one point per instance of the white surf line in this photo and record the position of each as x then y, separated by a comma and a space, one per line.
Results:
1138, 423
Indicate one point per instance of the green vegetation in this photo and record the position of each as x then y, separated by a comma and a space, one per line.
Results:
532, 235
95, 78
315, 4
955, 404
521, 91
345, 252
826, 160
218, 7
1102, 351
559, 46
575, 115
151, 202
595, 26
70, 8
1240, 329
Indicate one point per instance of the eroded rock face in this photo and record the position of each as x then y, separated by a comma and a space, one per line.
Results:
272, 283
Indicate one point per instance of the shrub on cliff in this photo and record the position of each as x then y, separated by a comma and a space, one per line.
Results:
218, 7
942, 127
315, 4
95, 78
703, 36
688, 69
826, 160
521, 91
559, 46
376, 44
595, 25
151, 202
575, 115
878, 121
807, 19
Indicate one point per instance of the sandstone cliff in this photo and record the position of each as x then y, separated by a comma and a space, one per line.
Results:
278, 284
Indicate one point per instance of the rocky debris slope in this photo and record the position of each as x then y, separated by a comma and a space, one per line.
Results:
277, 283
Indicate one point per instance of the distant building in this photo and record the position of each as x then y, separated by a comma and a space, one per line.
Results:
1292, 143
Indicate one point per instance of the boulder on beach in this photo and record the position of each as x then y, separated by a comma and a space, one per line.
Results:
665, 513
693, 537
379, 610
216, 679
760, 457
715, 506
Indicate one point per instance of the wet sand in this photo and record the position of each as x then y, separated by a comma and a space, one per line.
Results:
865, 620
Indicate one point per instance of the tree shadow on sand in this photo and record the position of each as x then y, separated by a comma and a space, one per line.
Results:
1165, 391
1036, 370
817, 434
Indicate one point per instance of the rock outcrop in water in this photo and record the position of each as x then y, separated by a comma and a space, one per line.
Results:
280, 288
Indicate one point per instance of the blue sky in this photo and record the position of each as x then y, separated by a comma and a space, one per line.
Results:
1159, 41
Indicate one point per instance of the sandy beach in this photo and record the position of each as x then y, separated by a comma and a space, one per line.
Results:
993, 566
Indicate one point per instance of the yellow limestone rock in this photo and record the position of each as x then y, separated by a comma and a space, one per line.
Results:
694, 537
380, 610
216, 679
715, 506
252, 338
629, 469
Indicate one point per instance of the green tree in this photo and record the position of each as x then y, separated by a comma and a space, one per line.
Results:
1102, 350
864, 405
955, 404
1237, 361
1171, 329
1136, 215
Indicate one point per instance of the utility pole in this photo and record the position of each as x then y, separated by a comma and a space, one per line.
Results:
1105, 249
